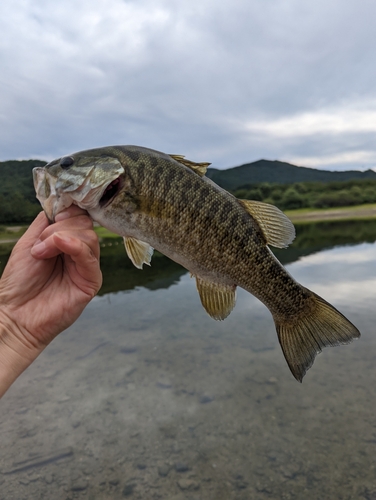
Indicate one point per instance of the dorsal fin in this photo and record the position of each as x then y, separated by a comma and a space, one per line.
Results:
138, 251
277, 228
217, 299
199, 168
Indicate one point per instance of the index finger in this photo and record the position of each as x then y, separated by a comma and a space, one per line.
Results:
72, 211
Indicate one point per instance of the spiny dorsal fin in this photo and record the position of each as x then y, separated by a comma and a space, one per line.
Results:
277, 228
138, 251
217, 299
199, 168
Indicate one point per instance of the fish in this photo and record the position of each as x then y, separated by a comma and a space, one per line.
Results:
166, 202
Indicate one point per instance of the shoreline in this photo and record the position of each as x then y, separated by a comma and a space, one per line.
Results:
332, 214
300, 216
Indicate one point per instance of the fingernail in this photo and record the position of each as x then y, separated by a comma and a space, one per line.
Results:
62, 216
38, 248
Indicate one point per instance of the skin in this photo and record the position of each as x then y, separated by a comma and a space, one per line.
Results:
52, 274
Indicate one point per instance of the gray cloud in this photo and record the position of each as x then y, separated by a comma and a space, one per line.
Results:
227, 82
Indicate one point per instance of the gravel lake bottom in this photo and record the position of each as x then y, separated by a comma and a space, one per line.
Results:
146, 397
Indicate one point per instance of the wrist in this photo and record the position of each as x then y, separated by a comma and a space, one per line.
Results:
16, 353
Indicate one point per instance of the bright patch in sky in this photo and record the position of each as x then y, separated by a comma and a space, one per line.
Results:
330, 121
227, 82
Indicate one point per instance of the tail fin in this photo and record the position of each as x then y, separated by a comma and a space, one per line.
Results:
320, 327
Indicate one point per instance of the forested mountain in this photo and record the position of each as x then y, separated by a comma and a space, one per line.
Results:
311, 194
279, 172
17, 194
283, 184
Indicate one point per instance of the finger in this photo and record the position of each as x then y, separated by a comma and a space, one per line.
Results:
20, 258
36, 228
77, 223
86, 262
72, 211
52, 246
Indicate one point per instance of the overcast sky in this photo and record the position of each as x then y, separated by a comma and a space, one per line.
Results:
227, 81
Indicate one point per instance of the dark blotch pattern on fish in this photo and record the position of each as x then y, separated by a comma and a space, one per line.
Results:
221, 240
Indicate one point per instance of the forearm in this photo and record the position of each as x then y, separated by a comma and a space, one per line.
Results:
15, 355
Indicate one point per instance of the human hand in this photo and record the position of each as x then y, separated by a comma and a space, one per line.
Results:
52, 274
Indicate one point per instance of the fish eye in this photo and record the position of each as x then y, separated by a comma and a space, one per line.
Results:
66, 162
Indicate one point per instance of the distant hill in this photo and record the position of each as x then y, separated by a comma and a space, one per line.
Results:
17, 176
17, 195
279, 172
19, 204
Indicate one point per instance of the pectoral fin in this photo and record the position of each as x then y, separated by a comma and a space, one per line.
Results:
199, 168
138, 251
277, 228
217, 299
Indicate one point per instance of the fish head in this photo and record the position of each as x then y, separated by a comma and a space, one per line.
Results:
86, 179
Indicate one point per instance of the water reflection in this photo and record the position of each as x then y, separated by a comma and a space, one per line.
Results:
315, 237
327, 276
146, 397
120, 274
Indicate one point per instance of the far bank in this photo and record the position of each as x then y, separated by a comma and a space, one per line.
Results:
10, 234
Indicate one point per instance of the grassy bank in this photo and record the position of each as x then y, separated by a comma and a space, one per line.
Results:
11, 233
304, 215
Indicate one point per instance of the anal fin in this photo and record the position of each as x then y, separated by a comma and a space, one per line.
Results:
138, 251
217, 299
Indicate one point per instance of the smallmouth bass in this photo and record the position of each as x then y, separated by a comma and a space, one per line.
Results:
161, 201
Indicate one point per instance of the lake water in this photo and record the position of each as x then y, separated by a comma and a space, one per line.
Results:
146, 397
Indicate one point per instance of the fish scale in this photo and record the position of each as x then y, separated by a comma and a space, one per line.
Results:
165, 202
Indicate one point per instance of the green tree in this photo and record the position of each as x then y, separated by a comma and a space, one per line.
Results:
291, 199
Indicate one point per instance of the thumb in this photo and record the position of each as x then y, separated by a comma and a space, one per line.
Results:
35, 229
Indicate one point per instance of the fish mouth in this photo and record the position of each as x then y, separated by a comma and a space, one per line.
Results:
111, 191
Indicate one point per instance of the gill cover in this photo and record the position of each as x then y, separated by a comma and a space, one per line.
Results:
82, 183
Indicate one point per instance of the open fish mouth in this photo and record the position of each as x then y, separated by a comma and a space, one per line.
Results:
83, 180
111, 191
54, 198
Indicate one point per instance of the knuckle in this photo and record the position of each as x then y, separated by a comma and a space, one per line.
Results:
81, 221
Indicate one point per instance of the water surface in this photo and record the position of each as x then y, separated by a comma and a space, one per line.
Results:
147, 397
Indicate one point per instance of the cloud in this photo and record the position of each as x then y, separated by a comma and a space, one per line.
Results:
342, 275
353, 125
227, 82
341, 120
